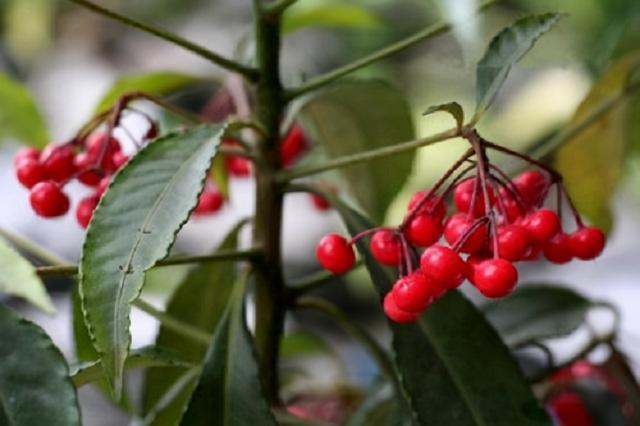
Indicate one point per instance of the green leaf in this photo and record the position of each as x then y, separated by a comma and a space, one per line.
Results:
133, 228
200, 300
149, 356
18, 277
328, 14
355, 116
507, 48
35, 388
534, 313
20, 118
379, 408
158, 84
229, 390
453, 366
591, 163
303, 343
453, 108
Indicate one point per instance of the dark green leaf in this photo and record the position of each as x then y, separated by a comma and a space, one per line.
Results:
452, 364
380, 408
360, 115
35, 388
19, 115
534, 313
328, 14
18, 277
507, 48
452, 108
200, 301
229, 391
134, 227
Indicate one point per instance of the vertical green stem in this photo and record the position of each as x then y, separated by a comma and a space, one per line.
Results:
270, 288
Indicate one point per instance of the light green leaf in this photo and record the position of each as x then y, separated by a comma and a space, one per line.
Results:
452, 108
507, 48
133, 228
18, 277
534, 313
328, 14
200, 300
20, 118
355, 116
35, 388
453, 366
158, 84
229, 390
591, 163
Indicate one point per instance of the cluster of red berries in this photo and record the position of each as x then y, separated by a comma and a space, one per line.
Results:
497, 221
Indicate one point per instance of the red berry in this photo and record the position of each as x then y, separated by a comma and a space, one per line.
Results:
568, 409
414, 292
152, 132
385, 247
335, 254
26, 153
534, 252
463, 195
238, 166
531, 185
292, 145
472, 262
319, 202
95, 145
394, 313
495, 277
587, 243
29, 171
85, 208
119, 159
210, 202
48, 200
458, 226
103, 185
444, 266
558, 249
84, 164
424, 230
58, 162
513, 242
434, 207
542, 225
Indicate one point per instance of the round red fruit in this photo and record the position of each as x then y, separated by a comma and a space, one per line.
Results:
459, 226
444, 266
463, 194
58, 162
238, 166
210, 201
558, 249
85, 209
118, 159
292, 146
531, 185
103, 185
472, 262
26, 153
433, 207
48, 200
84, 164
29, 171
319, 202
495, 277
385, 246
413, 293
513, 242
394, 313
542, 225
424, 230
587, 243
335, 254
568, 409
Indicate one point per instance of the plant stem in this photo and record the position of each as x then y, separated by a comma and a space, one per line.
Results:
228, 64
194, 333
29, 247
63, 269
277, 7
323, 80
315, 281
270, 288
365, 156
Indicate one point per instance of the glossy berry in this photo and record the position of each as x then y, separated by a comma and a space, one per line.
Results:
85, 209
463, 195
458, 227
84, 164
531, 186
444, 266
30, 171
103, 185
513, 242
394, 313
26, 153
238, 166
568, 409
97, 145
385, 247
210, 201
413, 293
434, 207
542, 225
335, 254
495, 277
473, 261
320, 203
119, 159
424, 230
48, 200
587, 243
58, 162
292, 146
558, 249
